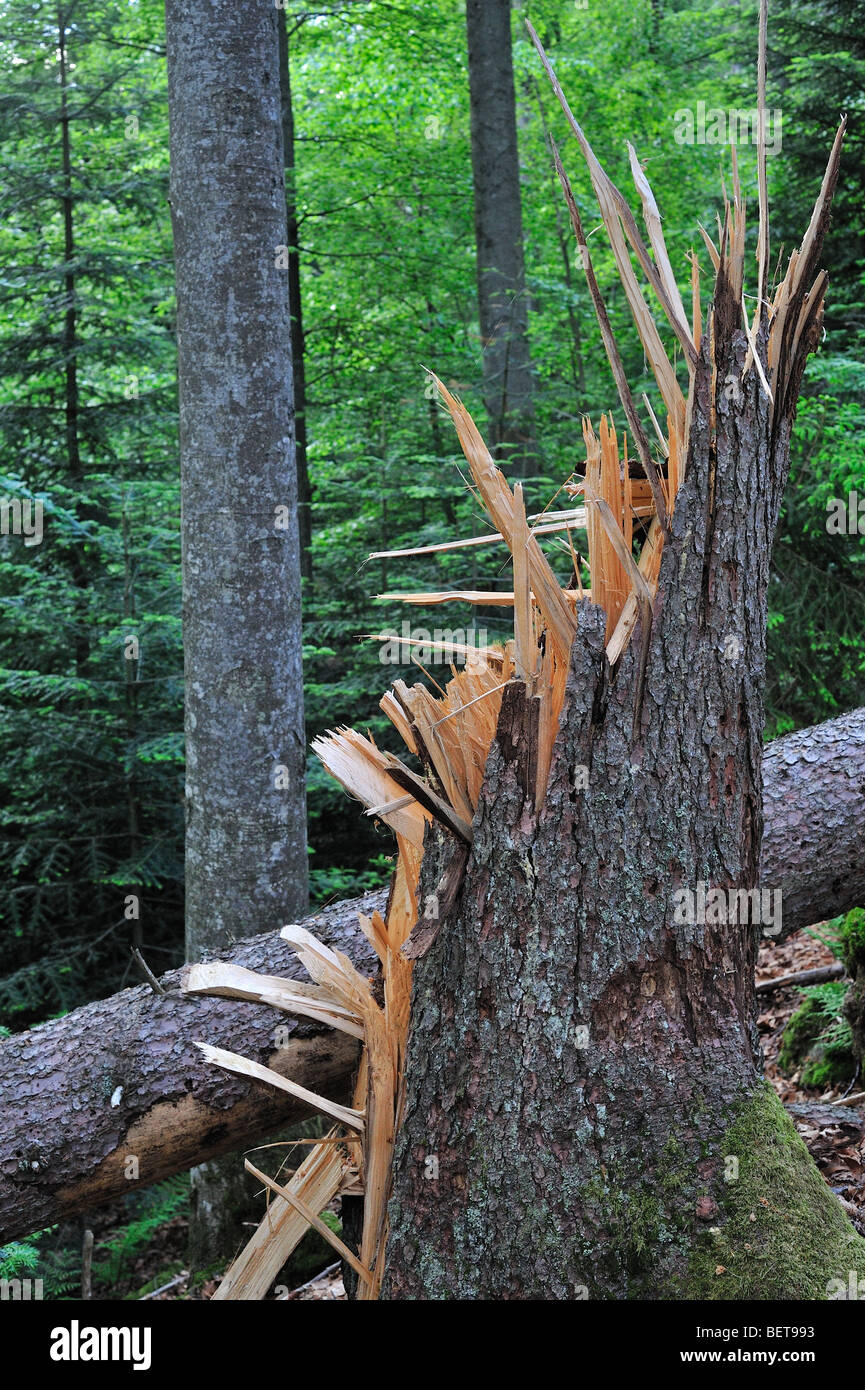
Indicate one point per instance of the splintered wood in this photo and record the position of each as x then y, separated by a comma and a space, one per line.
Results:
449, 730
356, 1155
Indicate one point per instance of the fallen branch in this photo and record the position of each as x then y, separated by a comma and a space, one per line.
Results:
803, 977
163, 1288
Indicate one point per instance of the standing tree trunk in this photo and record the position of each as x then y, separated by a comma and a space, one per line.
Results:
71, 393
246, 864
507, 375
292, 241
585, 1114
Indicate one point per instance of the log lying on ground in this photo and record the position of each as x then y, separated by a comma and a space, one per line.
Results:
116, 1095
121, 1080
814, 834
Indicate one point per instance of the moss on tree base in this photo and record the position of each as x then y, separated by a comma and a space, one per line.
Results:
781, 1233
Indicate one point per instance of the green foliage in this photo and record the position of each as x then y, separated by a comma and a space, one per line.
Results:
89, 774
41, 1256
852, 939
818, 1040
816, 60
21, 1257
38, 1258
152, 1208
334, 883
816, 653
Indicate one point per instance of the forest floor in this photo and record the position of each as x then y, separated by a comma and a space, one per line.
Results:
834, 1134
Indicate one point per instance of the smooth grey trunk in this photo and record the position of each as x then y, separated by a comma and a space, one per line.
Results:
246, 860
502, 304
246, 864
304, 494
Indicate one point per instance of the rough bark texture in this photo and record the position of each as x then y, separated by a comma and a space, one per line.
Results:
581, 1061
246, 862
814, 810
122, 1078
499, 232
245, 775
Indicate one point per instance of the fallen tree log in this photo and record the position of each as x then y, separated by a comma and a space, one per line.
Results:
116, 1095
814, 833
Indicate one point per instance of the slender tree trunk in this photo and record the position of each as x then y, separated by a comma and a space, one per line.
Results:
583, 1068
70, 336
70, 331
502, 302
295, 304
130, 700
246, 825
246, 865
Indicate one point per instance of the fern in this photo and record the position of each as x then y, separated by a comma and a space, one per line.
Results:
159, 1204
21, 1257
58, 1268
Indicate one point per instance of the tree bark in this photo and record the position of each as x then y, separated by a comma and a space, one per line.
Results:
583, 1062
246, 859
814, 833
122, 1079
502, 303
56, 1081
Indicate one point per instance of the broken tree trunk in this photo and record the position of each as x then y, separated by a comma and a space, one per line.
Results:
577, 882
584, 1113
57, 1080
